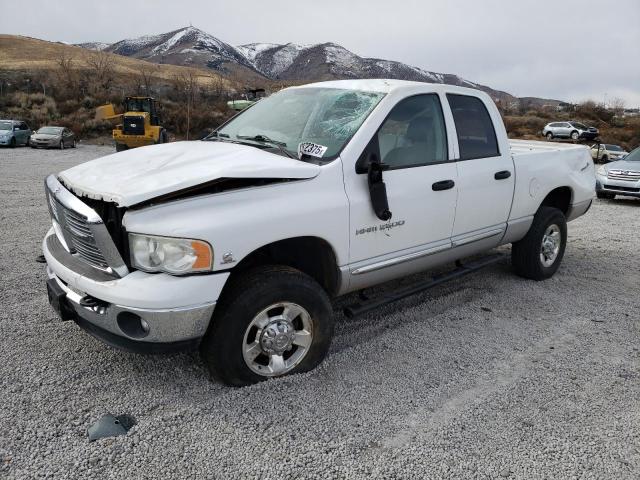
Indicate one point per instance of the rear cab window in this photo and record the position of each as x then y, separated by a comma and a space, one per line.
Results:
474, 127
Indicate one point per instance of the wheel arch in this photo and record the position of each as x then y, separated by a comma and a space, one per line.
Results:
560, 198
311, 255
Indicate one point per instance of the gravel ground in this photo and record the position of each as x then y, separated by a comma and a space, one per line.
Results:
489, 377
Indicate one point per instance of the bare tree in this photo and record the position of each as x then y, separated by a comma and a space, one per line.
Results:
67, 74
186, 86
616, 104
101, 68
146, 79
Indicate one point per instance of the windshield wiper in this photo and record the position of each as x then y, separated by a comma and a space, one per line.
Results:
264, 139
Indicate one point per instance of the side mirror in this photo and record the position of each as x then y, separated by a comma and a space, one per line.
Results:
377, 187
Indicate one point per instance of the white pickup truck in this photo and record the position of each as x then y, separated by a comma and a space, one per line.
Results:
237, 243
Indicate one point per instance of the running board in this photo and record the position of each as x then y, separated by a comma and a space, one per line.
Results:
461, 270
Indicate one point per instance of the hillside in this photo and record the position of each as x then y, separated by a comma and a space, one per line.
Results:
25, 54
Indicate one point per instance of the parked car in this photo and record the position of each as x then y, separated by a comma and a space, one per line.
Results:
572, 130
237, 243
53, 137
14, 133
605, 152
621, 177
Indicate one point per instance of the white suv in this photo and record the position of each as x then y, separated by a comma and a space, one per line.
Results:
572, 130
604, 152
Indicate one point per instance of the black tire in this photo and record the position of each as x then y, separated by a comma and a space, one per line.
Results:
74, 144
606, 195
526, 253
12, 143
574, 135
121, 147
248, 294
549, 136
61, 144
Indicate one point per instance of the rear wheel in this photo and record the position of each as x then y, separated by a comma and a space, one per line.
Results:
549, 136
270, 322
538, 255
121, 147
575, 135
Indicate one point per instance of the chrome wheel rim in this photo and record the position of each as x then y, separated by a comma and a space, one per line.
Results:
550, 247
277, 339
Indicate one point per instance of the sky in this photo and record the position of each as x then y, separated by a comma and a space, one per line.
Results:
570, 50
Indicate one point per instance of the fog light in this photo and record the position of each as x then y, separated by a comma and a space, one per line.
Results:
133, 325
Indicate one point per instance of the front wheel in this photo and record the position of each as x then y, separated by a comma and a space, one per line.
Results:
539, 254
61, 144
121, 147
549, 136
575, 135
270, 322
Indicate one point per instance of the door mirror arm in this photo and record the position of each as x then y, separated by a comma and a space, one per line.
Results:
377, 187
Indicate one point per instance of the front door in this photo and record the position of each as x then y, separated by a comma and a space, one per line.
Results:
485, 174
420, 182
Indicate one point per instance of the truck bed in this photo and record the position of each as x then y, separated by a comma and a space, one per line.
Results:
535, 146
543, 166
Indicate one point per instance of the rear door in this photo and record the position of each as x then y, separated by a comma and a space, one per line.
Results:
485, 174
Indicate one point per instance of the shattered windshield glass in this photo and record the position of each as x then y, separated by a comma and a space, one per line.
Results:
326, 117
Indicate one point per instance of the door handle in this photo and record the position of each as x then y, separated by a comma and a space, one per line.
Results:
502, 175
443, 185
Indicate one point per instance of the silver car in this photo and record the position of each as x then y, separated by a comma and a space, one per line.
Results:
621, 177
53, 137
572, 130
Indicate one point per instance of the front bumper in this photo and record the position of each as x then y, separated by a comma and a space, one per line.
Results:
133, 141
589, 135
44, 143
617, 187
5, 140
175, 311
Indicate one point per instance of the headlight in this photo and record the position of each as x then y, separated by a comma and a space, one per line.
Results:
170, 255
602, 171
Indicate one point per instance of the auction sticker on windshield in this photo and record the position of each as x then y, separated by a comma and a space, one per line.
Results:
311, 149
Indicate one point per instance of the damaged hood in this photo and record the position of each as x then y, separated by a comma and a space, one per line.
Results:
141, 174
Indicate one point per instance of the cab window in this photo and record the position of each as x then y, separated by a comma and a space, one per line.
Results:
414, 133
476, 135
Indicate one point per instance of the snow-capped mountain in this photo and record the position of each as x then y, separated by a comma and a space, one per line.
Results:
97, 46
291, 62
186, 46
329, 61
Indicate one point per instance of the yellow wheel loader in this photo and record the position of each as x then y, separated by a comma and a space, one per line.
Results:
139, 124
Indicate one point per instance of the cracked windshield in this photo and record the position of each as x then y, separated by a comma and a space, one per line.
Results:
322, 116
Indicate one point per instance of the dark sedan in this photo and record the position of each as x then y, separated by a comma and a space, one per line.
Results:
53, 137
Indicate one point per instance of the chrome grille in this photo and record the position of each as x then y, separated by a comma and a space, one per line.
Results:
626, 175
77, 233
